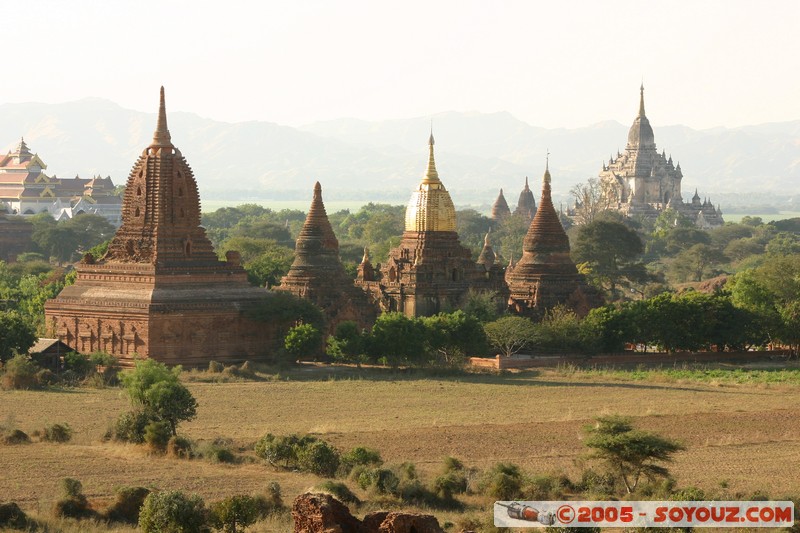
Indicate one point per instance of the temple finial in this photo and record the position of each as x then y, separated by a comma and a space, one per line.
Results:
641, 100
486, 238
547, 160
431, 174
161, 137
317, 190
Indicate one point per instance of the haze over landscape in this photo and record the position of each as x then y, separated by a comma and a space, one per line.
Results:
345, 93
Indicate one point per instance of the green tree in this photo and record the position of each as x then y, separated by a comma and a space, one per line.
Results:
156, 389
698, 262
302, 340
347, 345
612, 251
560, 330
790, 331
234, 513
628, 453
472, 227
397, 338
268, 268
171, 402
17, 335
452, 336
171, 511
510, 334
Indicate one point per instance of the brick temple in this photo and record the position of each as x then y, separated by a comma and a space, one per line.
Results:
317, 273
430, 271
160, 291
545, 276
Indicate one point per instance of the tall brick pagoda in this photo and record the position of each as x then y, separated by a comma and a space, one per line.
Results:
545, 276
317, 273
430, 271
160, 290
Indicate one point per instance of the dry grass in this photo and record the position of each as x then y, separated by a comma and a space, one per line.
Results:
746, 435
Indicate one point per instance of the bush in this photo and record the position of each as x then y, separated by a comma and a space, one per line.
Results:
547, 488
276, 450
319, 458
57, 433
12, 517
379, 480
15, 436
157, 435
270, 501
180, 447
129, 427
306, 453
20, 373
45, 377
127, 505
73, 503
217, 451
172, 511
360, 456
80, 364
234, 513
215, 367
446, 485
303, 340
502, 482
595, 483
341, 491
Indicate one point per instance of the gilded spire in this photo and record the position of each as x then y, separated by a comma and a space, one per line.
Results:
365, 259
161, 137
431, 175
641, 100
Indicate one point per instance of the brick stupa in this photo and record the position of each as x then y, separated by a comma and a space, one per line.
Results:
526, 204
500, 209
317, 273
160, 290
545, 276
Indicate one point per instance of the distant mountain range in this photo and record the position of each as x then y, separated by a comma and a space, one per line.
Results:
476, 153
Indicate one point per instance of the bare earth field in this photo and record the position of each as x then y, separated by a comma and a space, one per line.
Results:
744, 435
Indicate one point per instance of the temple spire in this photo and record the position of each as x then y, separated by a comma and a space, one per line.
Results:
431, 175
641, 100
161, 137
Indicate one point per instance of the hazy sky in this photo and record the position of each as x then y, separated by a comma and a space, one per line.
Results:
551, 64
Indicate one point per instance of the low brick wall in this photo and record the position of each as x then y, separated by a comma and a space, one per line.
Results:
623, 359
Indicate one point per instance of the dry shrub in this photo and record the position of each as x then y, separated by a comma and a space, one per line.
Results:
73, 504
180, 448
127, 505
15, 436
57, 433
12, 517
19, 373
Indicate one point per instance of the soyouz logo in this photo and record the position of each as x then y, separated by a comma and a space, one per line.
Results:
643, 514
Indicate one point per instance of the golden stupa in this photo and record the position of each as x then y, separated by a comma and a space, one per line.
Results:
430, 207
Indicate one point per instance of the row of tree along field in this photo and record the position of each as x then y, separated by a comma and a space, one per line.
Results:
640, 266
